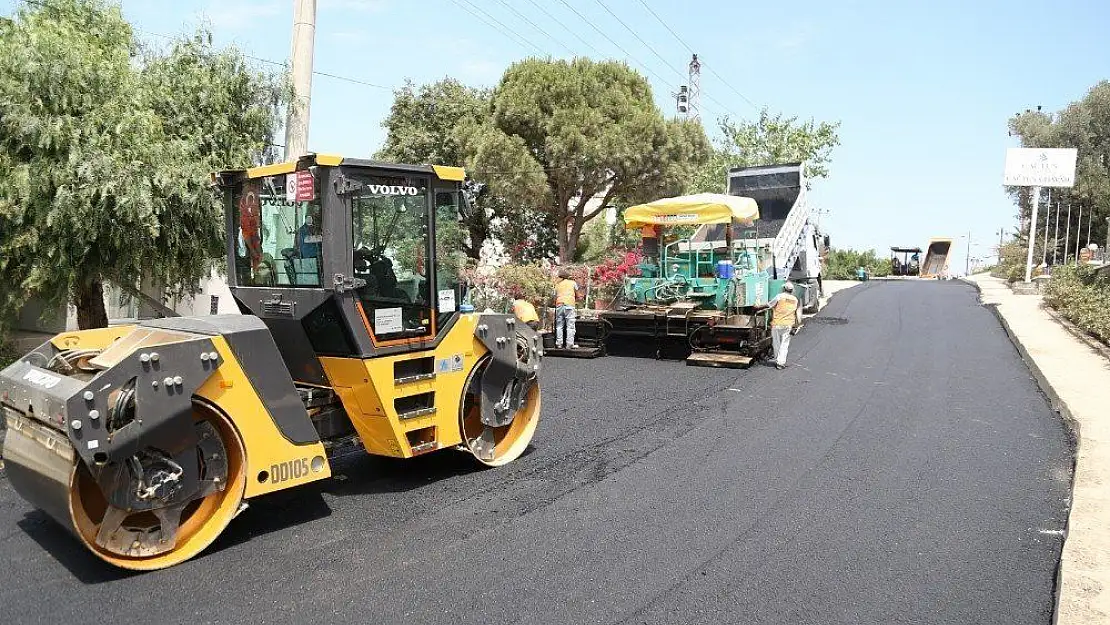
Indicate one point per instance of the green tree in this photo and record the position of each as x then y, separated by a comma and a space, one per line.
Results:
770, 139
591, 134
1084, 125
448, 123
106, 154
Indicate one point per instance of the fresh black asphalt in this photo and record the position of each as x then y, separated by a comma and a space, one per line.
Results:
904, 469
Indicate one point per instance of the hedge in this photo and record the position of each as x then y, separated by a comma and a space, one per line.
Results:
1082, 295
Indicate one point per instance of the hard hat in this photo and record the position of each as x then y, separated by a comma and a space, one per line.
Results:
788, 287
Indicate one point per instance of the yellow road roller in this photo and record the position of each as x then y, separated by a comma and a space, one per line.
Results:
146, 440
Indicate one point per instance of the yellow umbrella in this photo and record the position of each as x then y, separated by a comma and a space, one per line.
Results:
702, 208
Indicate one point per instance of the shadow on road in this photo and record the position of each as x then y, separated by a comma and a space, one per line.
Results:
68, 550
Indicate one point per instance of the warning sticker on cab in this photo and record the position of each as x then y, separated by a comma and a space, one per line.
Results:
387, 320
451, 364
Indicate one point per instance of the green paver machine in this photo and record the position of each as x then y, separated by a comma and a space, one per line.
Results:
710, 259
697, 297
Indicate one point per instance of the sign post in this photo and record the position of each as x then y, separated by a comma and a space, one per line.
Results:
1038, 167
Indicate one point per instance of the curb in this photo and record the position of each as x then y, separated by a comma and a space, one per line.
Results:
1078, 332
1072, 424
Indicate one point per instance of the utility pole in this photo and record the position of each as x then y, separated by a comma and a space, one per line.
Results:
1032, 234
304, 36
694, 106
1001, 231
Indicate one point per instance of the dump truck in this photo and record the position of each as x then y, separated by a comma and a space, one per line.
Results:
786, 226
146, 440
936, 258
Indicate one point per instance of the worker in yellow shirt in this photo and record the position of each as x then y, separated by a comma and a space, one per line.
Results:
786, 316
526, 312
566, 296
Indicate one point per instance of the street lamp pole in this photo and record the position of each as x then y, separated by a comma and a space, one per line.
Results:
967, 259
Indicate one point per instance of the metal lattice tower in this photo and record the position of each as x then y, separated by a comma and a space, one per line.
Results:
693, 110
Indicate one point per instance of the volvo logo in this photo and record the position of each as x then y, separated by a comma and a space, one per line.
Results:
384, 189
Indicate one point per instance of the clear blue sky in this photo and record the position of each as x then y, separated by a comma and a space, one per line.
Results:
923, 88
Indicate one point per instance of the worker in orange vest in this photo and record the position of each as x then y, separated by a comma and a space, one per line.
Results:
526, 312
786, 317
566, 292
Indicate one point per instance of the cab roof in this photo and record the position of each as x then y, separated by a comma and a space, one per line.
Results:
442, 172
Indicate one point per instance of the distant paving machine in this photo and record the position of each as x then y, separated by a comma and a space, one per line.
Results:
146, 440
936, 259
909, 264
697, 295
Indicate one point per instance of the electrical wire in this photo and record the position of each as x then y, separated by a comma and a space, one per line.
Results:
533, 24
505, 30
703, 63
640, 39
566, 28
357, 81
615, 44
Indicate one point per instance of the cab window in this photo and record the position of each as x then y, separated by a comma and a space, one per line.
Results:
279, 237
450, 256
390, 232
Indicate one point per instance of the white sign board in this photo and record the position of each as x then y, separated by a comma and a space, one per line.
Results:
447, 300
387, 320
1040, 167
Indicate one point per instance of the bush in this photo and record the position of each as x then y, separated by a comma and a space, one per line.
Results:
8, 353
606, 279
842, 264
496, 288
1082, 295
1011, 267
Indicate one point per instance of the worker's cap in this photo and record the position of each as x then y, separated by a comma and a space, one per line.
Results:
788, 287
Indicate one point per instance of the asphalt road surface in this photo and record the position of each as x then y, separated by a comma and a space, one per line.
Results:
904, 469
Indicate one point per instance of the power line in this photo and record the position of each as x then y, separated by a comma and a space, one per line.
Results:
615, 44
485, 21
505, 30
566, 28
260, 59
545, 33
709, 67
667, 26
640, 39
727, 84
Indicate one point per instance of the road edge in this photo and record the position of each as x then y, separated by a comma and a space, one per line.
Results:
1060, 406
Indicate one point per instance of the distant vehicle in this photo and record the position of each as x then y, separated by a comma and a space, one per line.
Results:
909, 264
936, 258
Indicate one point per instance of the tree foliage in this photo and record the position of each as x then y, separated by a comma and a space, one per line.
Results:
768, 140
106, 153
587, 134
552, 147
448, 123
842, 264
1084, 125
